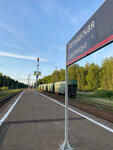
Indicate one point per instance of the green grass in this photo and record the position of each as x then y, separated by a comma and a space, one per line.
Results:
90, 99
101, 94
104, 93
95, 102
4, 94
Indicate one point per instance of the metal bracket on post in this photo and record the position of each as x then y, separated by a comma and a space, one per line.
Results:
66, 145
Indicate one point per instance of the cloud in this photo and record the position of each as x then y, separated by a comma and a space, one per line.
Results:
11, 45
11, 29
62, 48
31, 47
19, 47
49, 5
57, 48
74, 20
20, 56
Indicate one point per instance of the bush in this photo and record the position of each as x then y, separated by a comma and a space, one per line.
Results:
104, 93
87, 89
4, 88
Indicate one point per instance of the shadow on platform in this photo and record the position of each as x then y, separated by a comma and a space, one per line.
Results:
41, 121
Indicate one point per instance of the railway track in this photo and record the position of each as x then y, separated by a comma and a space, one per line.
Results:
99, 110
110, 108
8, 98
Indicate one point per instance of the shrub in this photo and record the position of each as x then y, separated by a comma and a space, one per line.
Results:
4, 88
87, 89
104, 93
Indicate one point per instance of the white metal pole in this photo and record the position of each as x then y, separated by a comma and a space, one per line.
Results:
28, 80
66, 145
37, 72
36, 86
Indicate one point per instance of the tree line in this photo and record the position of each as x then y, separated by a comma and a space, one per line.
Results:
9, 83
90, 77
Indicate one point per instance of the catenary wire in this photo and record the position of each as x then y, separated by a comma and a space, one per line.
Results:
59, 19
62, 27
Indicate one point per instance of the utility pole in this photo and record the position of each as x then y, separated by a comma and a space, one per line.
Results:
4, 85
56, 75
8, 85
11, 85
37, 73
112, 79
28, 80
78, 81
17, 86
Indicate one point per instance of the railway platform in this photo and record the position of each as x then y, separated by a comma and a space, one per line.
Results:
37, 123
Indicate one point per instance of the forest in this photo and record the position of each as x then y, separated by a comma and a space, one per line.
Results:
9, 83
89, 78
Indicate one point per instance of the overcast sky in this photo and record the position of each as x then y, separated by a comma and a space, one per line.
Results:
41, 28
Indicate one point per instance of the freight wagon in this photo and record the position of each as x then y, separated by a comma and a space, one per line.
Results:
43, 87
59, 87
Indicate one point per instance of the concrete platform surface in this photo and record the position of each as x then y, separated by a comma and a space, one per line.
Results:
37, 123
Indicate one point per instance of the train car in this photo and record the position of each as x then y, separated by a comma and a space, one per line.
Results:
39, 87
59, 87
43, 87
50, 87
72, 87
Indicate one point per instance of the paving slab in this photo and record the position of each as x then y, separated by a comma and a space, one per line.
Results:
37, 123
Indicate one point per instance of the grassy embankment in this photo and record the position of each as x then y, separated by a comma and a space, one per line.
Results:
100, 96
4, 94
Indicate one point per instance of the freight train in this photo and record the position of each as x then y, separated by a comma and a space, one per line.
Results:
59, 87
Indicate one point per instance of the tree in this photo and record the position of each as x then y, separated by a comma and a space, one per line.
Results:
1, 79
62, 75
82, 78
10, 83
92, 77
73, 72
89, 77
107, 73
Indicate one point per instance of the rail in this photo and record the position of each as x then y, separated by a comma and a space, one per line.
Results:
96, 104
8, 98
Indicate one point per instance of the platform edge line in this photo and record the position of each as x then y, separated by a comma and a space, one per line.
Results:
95, 122
11, 108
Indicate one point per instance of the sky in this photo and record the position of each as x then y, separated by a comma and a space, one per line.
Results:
42, 28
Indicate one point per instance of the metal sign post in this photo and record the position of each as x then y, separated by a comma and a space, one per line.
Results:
37, 72
66, 145
95, 34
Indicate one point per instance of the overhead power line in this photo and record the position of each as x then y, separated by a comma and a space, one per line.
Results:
62, 27
8, 70
54, 29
